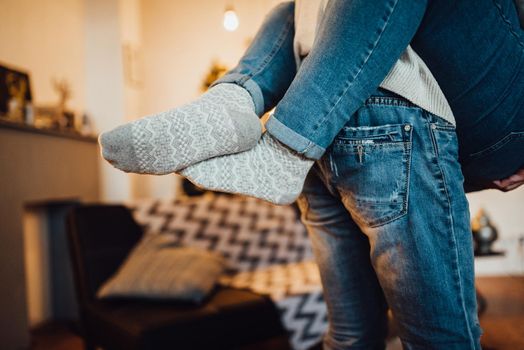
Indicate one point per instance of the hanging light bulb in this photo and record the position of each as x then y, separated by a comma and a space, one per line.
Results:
230, 19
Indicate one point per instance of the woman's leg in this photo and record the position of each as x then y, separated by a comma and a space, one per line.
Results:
357, 43
223, 120
474, 48
326, 90
268, 66
368, 35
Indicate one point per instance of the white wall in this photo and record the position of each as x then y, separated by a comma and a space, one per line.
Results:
75, 40
180, 41
45, 38
37, 266
173, 44
105, 94
182, 38
114, 80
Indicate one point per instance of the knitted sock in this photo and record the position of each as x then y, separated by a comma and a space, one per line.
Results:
221, 121
269, 171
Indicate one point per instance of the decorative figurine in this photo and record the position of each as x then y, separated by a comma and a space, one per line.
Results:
56, 116
484, 233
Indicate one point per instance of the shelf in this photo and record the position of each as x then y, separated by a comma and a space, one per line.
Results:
5, 124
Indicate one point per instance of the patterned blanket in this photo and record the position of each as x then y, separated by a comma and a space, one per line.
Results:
266, 247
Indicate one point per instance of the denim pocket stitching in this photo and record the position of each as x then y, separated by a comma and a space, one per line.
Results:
363, 128
439, 122
449, 128
349, 148
497, 145
393, 132
353, 141
405, 195
406, 144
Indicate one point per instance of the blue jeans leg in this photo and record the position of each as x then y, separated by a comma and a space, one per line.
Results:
357, 43
395, 170
355, 302
354, 52
268, 66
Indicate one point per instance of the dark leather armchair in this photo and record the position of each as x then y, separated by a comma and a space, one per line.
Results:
100, 238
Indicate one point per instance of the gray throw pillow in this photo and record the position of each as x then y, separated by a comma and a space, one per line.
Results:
156, 269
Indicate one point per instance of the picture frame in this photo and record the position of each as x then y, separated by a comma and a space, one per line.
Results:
15, 95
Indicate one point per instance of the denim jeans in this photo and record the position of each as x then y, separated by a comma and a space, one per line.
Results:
268, 66
389, 223
385, 204
474, 48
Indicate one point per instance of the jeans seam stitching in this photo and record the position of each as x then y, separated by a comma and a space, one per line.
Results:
384, 140
407, 155
433, 141
499, 144
508, 23
389, 101
409, 151
358, 128
456, 259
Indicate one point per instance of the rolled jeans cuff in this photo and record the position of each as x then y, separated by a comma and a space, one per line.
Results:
293, 140
247, 83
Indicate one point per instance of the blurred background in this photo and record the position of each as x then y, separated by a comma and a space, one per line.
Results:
124, 59
81, 67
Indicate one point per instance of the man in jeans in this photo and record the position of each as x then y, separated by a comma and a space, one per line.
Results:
389, 225
384, 203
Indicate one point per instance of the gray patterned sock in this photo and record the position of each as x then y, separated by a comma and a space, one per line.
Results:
221, 121
268, 171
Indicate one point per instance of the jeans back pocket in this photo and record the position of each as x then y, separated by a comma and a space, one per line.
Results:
370, 168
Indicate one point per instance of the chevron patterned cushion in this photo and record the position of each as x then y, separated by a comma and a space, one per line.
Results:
155, 269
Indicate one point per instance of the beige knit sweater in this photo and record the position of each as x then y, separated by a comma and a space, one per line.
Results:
409, 77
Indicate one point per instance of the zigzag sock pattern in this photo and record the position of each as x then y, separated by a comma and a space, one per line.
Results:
221, 121
269, 171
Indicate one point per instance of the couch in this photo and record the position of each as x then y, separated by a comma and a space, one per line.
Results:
268, 298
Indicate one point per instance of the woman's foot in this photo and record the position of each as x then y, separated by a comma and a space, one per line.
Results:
222, 121
269, 171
